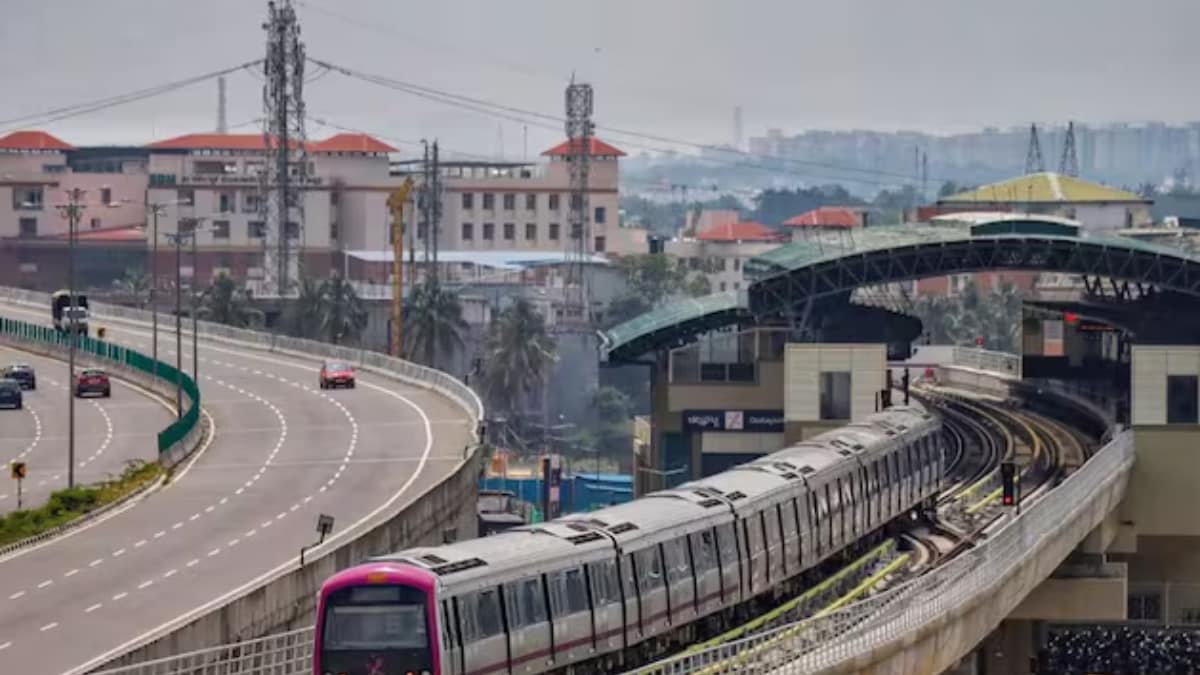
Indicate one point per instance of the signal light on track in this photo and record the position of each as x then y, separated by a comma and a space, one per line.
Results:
1008, 480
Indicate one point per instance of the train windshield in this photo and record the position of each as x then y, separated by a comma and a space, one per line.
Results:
376, 627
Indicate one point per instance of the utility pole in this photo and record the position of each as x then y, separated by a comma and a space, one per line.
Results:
425, 197
284, 140
395, 204
73, 209
178, 322
435, 211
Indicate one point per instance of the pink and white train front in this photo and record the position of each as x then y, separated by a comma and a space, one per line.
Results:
377, 619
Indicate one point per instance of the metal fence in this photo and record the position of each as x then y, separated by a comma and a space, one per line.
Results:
410, 372
985, 359
901, 612
287, 653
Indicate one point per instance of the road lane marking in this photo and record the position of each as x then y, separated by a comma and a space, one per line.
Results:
95, 562
45, 583
193, 562
50, 626
170, 573
118, 596
16, 595
145, 584
72, 572
93, 608
118, 553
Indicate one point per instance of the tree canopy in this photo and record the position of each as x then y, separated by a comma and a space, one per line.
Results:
652, 279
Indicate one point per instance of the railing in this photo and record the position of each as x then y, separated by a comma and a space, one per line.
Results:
405, 370
170, 439
281, 654
888, 617
985, 359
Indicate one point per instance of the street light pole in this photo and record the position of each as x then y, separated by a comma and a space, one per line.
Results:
195, 309
73, 209
155, 209
178, 328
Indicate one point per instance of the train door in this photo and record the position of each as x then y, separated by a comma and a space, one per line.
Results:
606, 604
679, 580
528, 624
571, 615
648, 567
634, 613
451, 658
708, 571
485, 645
731, 575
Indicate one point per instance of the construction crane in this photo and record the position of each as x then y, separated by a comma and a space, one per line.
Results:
395, 204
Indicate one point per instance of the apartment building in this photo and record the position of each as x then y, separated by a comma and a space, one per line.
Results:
524, 206
721, 252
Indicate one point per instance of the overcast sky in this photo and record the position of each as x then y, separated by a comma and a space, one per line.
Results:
670, 67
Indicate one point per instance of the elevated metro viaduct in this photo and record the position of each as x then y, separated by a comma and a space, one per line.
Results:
735, 375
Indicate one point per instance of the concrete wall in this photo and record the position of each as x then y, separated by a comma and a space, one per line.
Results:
804, 363
1151, 366
767, 393
1163, 499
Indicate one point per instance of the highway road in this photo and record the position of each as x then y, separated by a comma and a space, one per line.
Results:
283, 452
109, 432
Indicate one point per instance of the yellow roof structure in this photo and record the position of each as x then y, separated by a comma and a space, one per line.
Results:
1043, 187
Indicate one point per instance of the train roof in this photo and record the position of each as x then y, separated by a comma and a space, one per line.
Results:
642, 517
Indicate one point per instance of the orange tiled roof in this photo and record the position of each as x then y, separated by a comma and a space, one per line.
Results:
33, 140
825, 216
351, 143
598, 149
748, 231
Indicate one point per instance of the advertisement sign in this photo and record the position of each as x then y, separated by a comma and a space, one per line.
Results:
750, 421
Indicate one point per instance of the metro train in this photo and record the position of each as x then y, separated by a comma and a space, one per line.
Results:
594, 592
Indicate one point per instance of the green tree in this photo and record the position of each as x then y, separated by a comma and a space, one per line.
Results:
135, 283
613, 421
517, 356
774, 206
994, 316
226, 302
650, 280
433, 323
305, 316
344, 316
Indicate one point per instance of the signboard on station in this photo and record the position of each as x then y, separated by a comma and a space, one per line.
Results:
748, 421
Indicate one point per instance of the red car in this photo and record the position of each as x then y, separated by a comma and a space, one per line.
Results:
93, 381
335, 374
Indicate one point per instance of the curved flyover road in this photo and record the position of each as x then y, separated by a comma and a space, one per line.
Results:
283, 451
108, 431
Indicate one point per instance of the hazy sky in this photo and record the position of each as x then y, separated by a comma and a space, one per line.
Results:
669, 67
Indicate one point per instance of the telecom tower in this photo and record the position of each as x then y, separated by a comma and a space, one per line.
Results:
1069, 166
1033, 158
579, 144
222, 125
285, 172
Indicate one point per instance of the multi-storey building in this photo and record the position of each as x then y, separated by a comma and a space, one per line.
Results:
721, 252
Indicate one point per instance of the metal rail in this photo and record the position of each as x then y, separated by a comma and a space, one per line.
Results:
287, 653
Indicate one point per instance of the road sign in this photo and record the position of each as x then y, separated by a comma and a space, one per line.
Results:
18, 470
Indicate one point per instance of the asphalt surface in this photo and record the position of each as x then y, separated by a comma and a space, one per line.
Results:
284, 451
109, 432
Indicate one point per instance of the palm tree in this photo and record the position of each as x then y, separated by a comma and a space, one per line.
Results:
226, 302
344, 316
134, 283
517, 355
305, 318
433, 322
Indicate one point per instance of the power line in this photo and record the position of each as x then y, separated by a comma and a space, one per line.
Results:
66, 112
553, 122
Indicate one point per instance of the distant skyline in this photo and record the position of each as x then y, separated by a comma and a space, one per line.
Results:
675, 68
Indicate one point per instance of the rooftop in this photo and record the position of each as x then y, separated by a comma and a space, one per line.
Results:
355, 143
33, 140
748, 231
1044, 187
598, 148
825, 216
502, 260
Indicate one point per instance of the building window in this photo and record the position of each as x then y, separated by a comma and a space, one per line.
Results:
1181, 399
335, 197
531, 202
510, 231
468, 231
599, 244
293, 230
186, 196
553, 231
256, 229
489, 201
722, 286
95, 223
333, 232
220, 229
531, 231
187, 225
422, 230
468, 200
737, 264
553, 205
27, 199
489, 231
106, 196
835, 395
510, 202
737, 286
252, 203
227, 200
28, 228
600, 215
576, 230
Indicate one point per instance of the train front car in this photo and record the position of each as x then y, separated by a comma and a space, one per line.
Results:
377, 619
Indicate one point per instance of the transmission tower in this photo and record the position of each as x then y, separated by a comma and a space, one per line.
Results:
285, 172
1033, 158
579, 144
1069, 166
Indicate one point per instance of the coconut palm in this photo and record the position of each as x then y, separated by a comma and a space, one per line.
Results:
226, 302
517, 356
433, 323
134, 283
344, 316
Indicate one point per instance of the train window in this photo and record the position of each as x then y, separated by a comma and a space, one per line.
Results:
558, 595
629, 577
726, 546
676, 562
447, 637
488, 612
576, 591
604, 586
702, 549
649, 568
533, 601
